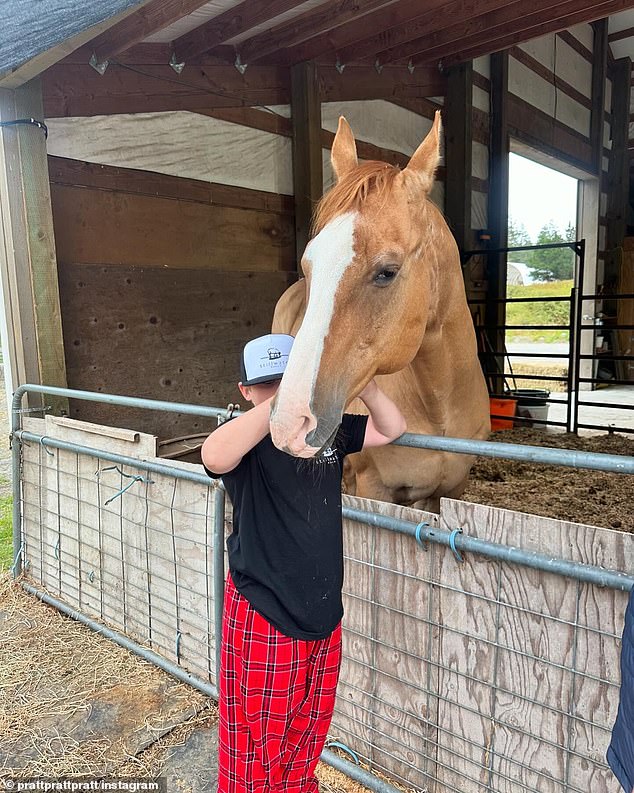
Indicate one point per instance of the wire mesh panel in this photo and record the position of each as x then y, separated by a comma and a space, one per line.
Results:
386, 707
129, 547
469, 675
530, 659
459, 675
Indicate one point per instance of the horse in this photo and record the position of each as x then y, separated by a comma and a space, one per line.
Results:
383, 296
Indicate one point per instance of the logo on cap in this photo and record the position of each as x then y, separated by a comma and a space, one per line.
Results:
264, 359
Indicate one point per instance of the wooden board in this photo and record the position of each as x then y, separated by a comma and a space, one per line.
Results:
161, 333
102, 227
529, 660
549, 135
384, 697
29, 276
64, 171
143, 561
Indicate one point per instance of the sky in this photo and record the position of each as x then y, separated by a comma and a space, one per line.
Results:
538, 194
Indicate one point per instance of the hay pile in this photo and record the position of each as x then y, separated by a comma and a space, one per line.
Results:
55, 671
594, 498
553, 370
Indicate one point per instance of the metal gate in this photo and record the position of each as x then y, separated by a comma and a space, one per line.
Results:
582, 323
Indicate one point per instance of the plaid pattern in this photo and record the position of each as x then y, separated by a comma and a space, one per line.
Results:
277, 696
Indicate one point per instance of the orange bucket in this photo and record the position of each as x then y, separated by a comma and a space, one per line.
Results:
502, 407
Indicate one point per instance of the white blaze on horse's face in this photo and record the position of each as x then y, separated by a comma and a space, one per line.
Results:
327, 256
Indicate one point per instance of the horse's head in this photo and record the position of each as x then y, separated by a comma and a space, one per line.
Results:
366, 303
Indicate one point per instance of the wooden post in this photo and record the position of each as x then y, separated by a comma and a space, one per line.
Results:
599, 76
618, 169
307, 162
29, 265
495, 312
457, 118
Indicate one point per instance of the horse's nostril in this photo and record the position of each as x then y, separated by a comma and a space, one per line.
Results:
304, 429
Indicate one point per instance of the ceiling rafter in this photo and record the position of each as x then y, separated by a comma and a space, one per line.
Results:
383, 44
149, 19
381, 20
323, 18
586, 11
515, 16
232, 22
417, 23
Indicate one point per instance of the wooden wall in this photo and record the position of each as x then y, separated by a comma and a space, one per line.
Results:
162, 280
175, 238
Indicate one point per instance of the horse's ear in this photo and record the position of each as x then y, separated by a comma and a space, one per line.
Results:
425, 159
344, 150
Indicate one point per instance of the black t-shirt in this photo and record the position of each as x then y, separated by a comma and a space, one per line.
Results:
286, 548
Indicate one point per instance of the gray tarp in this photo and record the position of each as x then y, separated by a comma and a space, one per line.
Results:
30, 27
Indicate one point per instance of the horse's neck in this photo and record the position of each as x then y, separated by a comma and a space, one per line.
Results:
447, 358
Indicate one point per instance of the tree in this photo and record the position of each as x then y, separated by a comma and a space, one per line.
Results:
517, 236
556, 264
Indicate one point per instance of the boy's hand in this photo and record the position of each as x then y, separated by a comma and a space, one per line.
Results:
385, 422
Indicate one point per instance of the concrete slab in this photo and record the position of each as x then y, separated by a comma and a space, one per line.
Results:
193, 767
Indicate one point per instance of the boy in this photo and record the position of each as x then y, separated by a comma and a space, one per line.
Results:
281, 644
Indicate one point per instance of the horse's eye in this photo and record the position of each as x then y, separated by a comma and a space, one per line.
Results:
385, 276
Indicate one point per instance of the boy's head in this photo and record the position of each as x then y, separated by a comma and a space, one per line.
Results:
262, 365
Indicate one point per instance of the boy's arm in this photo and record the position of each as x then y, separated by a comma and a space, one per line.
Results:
226, 446
385, 422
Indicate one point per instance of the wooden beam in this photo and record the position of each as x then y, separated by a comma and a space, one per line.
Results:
599, 76
233, 22
253, 118
383, 20
424, 107
307, 163
618, 169
518, 18
361, 81
418, 21
76, 173
324, 17
540, 130
72, 90
153, 17
619, 35
566, 15
457, 123
29, 274
549, 76
78, 90
497, 210
573, 42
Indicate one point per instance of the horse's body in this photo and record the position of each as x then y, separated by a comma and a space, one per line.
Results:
384, 296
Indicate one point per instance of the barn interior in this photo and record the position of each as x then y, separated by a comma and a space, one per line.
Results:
151, 226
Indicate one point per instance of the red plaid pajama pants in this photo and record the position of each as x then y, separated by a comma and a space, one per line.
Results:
277, 695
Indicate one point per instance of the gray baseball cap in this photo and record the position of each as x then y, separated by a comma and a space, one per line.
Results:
264, 359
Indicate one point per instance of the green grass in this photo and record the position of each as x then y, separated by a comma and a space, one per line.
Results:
538, 313
6, 532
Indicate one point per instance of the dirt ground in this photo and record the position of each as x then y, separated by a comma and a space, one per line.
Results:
581, 496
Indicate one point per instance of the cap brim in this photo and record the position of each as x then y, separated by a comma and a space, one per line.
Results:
266, 379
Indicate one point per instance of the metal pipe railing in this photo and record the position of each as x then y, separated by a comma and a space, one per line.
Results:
421, 532
458, 542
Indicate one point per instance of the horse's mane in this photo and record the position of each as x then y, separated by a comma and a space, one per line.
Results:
352, 189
